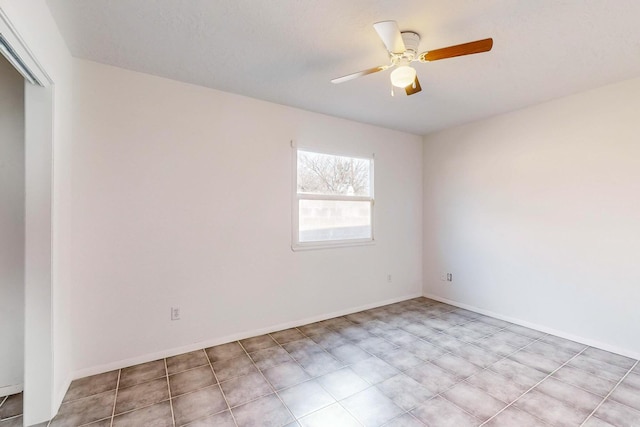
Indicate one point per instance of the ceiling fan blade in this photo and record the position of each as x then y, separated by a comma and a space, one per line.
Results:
410, 90
477, 46
359, 74
390, 35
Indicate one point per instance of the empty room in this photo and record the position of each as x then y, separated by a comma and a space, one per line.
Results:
319, 213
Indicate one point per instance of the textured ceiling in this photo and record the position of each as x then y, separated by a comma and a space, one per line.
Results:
286, 51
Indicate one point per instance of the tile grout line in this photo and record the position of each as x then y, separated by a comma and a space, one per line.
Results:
440, 332
131, 386
447, 351
376, 356
596, 375
610, 392
14, 416
231, 407
115, 398
534, 386
345, 366
540, 339
311, 378
586, 347
266, 380
166, 370
218, 382
129, 411
601, 377
348, 365
175, 373
402, 415
88, 397
441, 394
233, 417
579, 386
419, 338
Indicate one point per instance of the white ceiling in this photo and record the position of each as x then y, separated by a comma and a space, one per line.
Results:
286, 51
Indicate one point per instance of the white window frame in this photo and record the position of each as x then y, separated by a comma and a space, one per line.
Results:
296, 245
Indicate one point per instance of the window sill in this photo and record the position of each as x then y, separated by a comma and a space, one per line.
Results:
328, 245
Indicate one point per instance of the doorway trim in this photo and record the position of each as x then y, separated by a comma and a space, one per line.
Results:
39, 395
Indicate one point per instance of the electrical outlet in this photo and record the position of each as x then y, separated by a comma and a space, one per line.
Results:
389, 278
175, 313
449, 277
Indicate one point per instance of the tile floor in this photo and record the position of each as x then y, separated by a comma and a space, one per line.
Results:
414, 363
11, 410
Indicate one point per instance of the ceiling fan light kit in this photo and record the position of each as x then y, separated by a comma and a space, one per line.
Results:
402, 48
403, 76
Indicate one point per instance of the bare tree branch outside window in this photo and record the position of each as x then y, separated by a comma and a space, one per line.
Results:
327, 174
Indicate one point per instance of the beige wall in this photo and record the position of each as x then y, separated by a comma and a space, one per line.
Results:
182, 197
537, 215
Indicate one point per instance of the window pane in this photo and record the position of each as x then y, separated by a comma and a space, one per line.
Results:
322, 220
327, 174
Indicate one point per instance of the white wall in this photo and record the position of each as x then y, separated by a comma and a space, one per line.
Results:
47, 215
182, 196
11, 229
537, 215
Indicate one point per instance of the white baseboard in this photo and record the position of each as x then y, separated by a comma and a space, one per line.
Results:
545, 329
11, 389
94, 370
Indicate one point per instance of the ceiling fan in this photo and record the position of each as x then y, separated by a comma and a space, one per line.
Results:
403, 50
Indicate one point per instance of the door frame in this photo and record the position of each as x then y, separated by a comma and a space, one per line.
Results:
39, 404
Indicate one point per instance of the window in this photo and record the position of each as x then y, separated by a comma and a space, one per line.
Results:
333, 200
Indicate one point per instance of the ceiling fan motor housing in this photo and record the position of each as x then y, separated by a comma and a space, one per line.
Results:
411, 41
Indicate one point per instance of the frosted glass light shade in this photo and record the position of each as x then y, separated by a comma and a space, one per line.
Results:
403, 76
